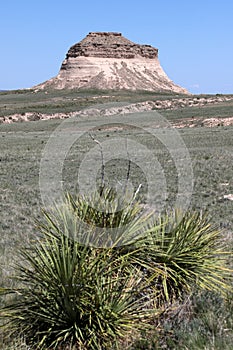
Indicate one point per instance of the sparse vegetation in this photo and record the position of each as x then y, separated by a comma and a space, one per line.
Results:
206, 317
86, 286
51, 101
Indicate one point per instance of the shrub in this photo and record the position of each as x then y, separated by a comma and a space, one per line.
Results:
189, 251
75, 294
102, 269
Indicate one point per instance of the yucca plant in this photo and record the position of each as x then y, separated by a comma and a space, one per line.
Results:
74, 294
105, 208
101, 267
118, 220
190, 252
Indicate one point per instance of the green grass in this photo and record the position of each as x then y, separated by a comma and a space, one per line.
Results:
203, 322
222, 110
89, 286
51, 101
21, 147
55, 101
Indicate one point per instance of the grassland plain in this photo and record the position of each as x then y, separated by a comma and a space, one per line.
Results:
50, 101
22, 145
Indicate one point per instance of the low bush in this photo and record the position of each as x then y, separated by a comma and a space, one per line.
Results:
102, 271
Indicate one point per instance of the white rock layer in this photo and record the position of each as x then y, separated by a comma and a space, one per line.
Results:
82, 67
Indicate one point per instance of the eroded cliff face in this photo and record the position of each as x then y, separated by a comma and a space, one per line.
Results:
110, 45
106, 60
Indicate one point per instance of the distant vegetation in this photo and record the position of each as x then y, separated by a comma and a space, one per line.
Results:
54, 101
200, 319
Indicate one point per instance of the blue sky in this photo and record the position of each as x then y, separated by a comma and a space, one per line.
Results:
194, 37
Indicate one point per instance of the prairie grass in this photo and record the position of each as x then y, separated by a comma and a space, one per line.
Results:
76, 289
21, 147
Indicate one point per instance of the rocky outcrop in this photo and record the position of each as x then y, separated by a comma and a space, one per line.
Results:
109, 45
170, 104
107, 60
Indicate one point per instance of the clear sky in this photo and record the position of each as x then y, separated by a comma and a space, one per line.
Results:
194, 37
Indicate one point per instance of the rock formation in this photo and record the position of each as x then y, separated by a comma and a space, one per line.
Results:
107, 60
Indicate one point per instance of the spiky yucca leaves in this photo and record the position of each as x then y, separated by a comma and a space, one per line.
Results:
190, 251
105, 220
75, 291
75, 294
118, 220
105, 208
